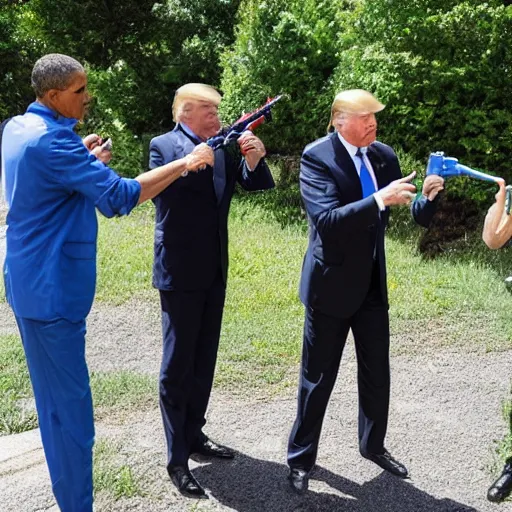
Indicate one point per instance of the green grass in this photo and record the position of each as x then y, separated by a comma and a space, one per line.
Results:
261, 335
504, 448
111, 474
122, 392
464, 299
456, 299
16, 415
125, 255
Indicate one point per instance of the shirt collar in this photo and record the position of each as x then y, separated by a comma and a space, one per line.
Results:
352, 150
189, 131
48, 113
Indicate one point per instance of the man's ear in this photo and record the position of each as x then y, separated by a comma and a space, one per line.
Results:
52, 95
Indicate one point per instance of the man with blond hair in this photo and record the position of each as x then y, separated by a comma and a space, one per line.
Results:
190, 271
348, 181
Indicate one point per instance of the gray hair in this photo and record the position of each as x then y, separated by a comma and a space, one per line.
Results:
54, 71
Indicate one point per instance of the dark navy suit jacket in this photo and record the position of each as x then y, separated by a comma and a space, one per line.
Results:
346, 231
191, 234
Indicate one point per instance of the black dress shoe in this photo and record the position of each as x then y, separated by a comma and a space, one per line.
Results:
205, 447
185, 482
385, 461
299, 480
500, 489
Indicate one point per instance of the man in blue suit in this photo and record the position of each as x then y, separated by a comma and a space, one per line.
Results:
53, 185
348, 181
190, 271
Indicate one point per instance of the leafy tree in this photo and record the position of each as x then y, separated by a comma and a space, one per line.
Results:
137, 53
284, 46
442, 68
17, 51
141, 50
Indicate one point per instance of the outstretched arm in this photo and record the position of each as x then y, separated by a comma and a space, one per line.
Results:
498, 225
159, 178
424, 208
334, 220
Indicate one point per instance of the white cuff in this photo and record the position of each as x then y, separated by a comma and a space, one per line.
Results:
248, 167
379, 201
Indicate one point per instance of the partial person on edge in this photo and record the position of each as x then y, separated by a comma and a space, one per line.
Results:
496, 234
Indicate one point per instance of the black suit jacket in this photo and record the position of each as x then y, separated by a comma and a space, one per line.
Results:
191, 235
345, 229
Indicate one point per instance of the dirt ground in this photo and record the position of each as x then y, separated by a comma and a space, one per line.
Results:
445, 416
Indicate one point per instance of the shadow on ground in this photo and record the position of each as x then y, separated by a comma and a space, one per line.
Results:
253, 485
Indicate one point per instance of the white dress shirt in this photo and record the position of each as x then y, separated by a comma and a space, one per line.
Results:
352, 150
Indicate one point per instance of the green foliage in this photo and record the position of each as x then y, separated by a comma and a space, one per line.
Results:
105, 119
16, 412
140, 51
18, 48
137, 53
442, 69
111, 474
289, 47
283, 203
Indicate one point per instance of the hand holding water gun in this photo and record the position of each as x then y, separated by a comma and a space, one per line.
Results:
249, 121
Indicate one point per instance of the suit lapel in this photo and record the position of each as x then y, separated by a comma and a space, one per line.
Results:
377, 165
219, 167
346, 175
182, 144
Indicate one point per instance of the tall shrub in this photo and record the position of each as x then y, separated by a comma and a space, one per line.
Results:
18, 49
443, 69
284, 46
138, 53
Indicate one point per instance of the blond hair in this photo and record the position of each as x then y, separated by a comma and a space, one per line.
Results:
354, 101
193, 92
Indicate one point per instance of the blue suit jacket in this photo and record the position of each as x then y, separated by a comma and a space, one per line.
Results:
345, 229
52, 185
191, 235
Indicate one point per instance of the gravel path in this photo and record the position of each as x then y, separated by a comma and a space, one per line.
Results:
445, 415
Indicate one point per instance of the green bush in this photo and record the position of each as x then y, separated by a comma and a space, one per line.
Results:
442, 68
139, 52
106, 120
283, 46
19, 48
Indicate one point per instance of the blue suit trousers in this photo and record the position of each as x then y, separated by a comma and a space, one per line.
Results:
55, 353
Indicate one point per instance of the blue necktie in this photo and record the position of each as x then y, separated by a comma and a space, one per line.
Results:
366, 178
